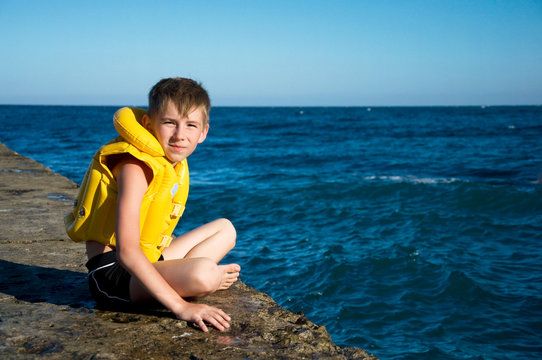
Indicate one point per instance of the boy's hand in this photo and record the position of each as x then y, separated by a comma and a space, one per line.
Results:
198, 313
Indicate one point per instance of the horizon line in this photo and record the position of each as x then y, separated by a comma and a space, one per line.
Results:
287, 106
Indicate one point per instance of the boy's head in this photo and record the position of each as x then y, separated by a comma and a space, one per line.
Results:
185, 94
178, 116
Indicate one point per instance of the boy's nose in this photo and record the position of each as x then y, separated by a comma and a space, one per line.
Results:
179, 133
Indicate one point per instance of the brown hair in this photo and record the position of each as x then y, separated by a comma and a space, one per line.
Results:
186, 94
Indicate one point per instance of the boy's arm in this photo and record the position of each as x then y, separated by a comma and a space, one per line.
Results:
132, 185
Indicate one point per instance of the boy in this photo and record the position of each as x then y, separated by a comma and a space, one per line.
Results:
131, 199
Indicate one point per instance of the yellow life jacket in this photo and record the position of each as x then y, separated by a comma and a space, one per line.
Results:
94, 216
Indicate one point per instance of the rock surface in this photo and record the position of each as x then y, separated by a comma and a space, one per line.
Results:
46, 310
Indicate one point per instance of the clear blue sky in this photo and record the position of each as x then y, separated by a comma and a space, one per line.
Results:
472, 52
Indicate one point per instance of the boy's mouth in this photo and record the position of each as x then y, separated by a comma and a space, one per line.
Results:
176, 147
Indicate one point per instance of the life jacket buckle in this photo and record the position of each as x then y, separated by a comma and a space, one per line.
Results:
177, 211
166, 240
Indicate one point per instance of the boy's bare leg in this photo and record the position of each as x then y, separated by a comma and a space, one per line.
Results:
190, 265
212, 240
194, 277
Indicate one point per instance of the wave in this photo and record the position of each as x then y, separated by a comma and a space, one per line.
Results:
413, 179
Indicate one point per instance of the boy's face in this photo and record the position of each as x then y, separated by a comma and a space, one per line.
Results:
178, 135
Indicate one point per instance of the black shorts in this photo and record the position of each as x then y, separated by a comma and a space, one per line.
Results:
108, 281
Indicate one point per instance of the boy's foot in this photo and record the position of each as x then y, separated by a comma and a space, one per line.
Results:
230, 274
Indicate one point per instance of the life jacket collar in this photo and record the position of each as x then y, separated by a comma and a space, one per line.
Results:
127, 122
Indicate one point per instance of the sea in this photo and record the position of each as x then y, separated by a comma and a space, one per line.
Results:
411, 232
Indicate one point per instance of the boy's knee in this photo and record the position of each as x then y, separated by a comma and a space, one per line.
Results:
229, 230
226, 225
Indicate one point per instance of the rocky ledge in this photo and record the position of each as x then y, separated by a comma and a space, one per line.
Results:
46, 311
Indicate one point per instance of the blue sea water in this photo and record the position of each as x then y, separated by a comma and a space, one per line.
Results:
415, 233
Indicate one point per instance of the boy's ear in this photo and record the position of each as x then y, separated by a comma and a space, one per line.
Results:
203, 135
146, 122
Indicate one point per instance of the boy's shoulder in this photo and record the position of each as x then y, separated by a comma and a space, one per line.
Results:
127, 160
